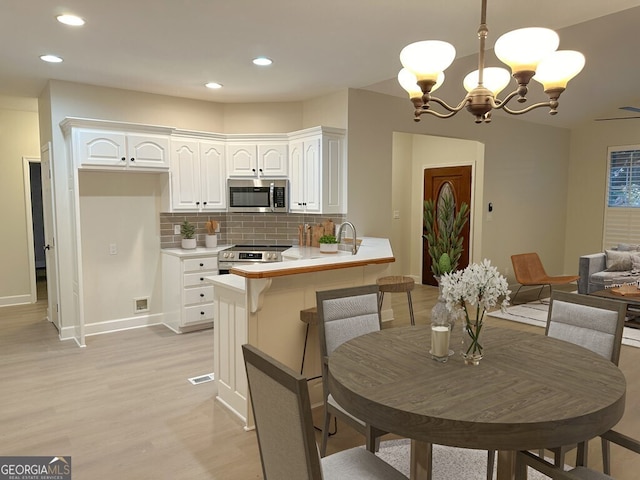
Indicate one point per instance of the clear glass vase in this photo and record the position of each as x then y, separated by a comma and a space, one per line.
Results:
472, 349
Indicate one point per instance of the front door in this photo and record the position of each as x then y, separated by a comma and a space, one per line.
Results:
457, 180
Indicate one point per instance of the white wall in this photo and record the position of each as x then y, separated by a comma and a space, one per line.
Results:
588, 183
432, 152
120, 209
525, 176
18, 138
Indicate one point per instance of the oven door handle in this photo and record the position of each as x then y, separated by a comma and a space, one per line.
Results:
272, 201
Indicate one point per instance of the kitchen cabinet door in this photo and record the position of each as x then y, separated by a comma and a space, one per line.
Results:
311, 176
121, 150
296, 177
242, 160
185, 174
147, 151
198, 177
213, 188
304, 185
273, 160
100, 148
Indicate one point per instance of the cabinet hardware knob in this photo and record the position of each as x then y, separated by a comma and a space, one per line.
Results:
253, 170
201, 279
201, 313
202, 264
202, 294
133, 159
204, 203
123, 159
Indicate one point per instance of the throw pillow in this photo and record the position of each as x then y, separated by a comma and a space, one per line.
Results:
628, 247
618, 261
635, 262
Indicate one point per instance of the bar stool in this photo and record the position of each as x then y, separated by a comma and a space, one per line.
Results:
395, 284
310, 317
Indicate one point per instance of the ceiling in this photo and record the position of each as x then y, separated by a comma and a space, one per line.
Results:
173, 47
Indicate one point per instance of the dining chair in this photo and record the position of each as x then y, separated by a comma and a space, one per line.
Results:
344, 314
592, 322
581, 471
284, 428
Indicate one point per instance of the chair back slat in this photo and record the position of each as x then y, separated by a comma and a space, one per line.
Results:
282, 413
591, 322
346, 313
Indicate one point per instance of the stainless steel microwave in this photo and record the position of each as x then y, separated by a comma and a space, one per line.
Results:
258, 195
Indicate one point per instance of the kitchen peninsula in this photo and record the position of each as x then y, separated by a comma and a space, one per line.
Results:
260, 305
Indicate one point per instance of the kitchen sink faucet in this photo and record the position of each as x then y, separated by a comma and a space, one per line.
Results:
354, 248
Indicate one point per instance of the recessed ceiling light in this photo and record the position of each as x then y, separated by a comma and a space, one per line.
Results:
51, 58
262, 61
213, 85
72, 20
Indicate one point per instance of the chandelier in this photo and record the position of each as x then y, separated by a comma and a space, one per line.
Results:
529, 52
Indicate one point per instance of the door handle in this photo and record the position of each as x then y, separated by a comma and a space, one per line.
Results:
47, 247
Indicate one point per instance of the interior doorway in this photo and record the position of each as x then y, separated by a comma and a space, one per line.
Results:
35, 226
458, 181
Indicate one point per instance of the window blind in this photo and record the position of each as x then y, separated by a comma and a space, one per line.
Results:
622, 209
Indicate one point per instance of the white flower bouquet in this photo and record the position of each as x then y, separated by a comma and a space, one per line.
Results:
478, 287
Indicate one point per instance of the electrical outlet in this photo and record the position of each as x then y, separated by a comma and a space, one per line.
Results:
113, 249
176, 229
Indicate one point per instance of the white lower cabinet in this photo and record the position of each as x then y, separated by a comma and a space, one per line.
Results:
187, 298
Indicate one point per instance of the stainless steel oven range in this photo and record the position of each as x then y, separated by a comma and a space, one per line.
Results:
249, 255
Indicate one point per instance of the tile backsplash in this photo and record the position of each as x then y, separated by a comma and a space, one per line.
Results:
242, 228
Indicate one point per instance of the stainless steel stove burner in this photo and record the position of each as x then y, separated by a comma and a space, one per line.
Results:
249, 255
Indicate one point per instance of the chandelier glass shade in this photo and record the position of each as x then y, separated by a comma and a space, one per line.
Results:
528, 52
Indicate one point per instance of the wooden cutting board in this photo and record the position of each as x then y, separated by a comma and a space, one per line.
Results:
329, 227
317, 231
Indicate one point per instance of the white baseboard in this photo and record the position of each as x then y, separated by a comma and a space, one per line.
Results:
120, 324
16, 300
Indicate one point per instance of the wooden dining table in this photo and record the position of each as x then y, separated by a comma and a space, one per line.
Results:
529, 392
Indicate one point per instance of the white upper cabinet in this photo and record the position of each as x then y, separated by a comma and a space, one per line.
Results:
257, 159
318, 171
273, 159
113, 149
198, 179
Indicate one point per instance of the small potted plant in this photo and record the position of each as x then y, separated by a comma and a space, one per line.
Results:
188, 231
328, 244
211, 239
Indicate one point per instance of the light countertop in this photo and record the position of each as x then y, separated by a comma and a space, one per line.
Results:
230, 281
195, 252
309, 259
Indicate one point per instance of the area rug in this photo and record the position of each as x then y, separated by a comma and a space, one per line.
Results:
535, 313
449, 463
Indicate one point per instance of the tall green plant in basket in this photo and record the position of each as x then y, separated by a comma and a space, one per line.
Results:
444, 233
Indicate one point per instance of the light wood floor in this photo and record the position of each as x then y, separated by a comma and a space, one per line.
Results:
123, 408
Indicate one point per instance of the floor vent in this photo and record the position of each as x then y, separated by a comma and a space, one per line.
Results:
202, 379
